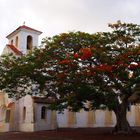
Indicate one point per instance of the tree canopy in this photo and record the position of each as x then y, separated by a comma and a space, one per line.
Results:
81, 70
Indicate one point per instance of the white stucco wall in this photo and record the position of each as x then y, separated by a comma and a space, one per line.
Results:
14, 39
62, 119
113, 119
3, 126
43, 124
4, 101
33, 121
81, 119
28, 123
6, 50
131, 116
23, 40
99, 117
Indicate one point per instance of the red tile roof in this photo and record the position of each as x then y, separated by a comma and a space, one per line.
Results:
10, 104
23, 27
14, 49
43, 100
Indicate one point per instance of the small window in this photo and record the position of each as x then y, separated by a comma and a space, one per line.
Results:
43, 112
7, 119
12, 42
24, 113
17, 41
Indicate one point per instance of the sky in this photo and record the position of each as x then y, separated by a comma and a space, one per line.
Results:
56, 16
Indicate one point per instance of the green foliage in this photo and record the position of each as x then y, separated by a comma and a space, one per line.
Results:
76, 68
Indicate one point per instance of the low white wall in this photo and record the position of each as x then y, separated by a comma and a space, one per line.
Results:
99, 119
81, 119
43, 124
62, 119
131, 116
33, 121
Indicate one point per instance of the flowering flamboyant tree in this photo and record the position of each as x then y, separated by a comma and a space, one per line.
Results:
105, 72
81, 70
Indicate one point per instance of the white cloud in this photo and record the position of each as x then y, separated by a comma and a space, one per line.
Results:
56, 16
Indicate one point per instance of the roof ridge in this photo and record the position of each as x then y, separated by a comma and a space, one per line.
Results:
23, 27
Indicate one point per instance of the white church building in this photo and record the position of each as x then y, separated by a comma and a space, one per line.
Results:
31, 113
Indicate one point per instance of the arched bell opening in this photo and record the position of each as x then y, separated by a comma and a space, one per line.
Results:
29, 43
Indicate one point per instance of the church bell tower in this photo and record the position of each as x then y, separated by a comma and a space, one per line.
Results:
23, 39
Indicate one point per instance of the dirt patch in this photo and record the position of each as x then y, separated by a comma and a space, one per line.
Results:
70, 134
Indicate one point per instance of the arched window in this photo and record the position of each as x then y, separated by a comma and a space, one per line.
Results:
29, 43
43, 112
17, 41
24, 113
12, 42
7, 118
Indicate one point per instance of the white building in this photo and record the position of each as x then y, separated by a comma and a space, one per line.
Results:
22, 40
26, 114
31, 114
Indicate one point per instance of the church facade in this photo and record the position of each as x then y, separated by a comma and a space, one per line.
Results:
31, 113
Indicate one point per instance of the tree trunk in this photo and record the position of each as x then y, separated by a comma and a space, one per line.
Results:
122, 126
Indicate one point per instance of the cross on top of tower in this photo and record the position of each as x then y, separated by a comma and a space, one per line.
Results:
24, 23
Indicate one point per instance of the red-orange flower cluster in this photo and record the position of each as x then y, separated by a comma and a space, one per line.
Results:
104, 68
85, 53
66, 61
76, 55
61, 75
